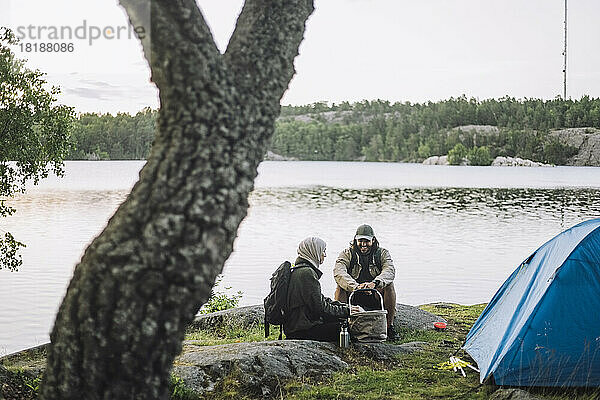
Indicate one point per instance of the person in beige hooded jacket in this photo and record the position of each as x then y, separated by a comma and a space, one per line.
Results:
366, 265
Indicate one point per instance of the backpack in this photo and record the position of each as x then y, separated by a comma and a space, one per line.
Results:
276, 300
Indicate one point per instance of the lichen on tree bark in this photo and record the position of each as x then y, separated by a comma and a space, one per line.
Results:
142, 280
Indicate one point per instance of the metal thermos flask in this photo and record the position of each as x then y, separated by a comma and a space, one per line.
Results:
344, 336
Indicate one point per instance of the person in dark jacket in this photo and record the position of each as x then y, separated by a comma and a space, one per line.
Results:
311, 315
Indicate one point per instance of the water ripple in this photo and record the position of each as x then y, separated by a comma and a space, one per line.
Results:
536, 203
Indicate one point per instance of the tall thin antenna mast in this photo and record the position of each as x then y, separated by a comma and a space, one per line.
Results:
565, 54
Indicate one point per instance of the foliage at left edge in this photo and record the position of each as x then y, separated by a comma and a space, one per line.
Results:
34, 135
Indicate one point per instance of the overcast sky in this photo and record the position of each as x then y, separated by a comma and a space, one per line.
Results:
397, 50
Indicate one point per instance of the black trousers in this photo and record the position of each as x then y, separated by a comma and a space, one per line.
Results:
326, 332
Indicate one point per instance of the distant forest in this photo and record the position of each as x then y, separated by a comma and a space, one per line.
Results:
376, 130
108, 137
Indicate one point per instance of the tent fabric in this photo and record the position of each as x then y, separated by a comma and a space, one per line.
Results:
541, 327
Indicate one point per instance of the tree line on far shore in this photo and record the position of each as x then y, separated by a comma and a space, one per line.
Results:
378, 130
108, 137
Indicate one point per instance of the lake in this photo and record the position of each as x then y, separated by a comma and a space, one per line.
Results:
454, 233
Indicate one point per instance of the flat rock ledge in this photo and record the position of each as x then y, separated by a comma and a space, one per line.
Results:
407, 317
262, 366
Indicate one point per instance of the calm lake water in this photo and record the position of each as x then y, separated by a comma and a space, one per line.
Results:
455, 233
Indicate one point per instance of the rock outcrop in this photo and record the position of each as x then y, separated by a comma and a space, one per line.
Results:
498, 162
516, 162
270, 156
585, 140
436, 160
261, 366
244, 317
484, 130
326, 116
407, 317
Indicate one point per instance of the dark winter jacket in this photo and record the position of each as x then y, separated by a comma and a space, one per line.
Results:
307, 307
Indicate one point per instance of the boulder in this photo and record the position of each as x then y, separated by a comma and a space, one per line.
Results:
436, 160
407, 317
413, 318
501, 161
431, 160
245, 317
258, 366
513, 394
261, 366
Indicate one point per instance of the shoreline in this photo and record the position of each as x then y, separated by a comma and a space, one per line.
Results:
292, 160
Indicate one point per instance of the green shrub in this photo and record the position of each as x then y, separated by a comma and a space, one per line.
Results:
179, 391
456, 155
219, 301
424, 151
479, 156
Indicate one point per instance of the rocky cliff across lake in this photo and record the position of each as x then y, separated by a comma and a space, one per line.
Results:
585, 143
585, 140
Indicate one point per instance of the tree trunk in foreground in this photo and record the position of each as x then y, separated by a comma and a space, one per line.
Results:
142, 280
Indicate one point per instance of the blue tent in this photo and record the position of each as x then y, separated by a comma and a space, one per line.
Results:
542, 327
